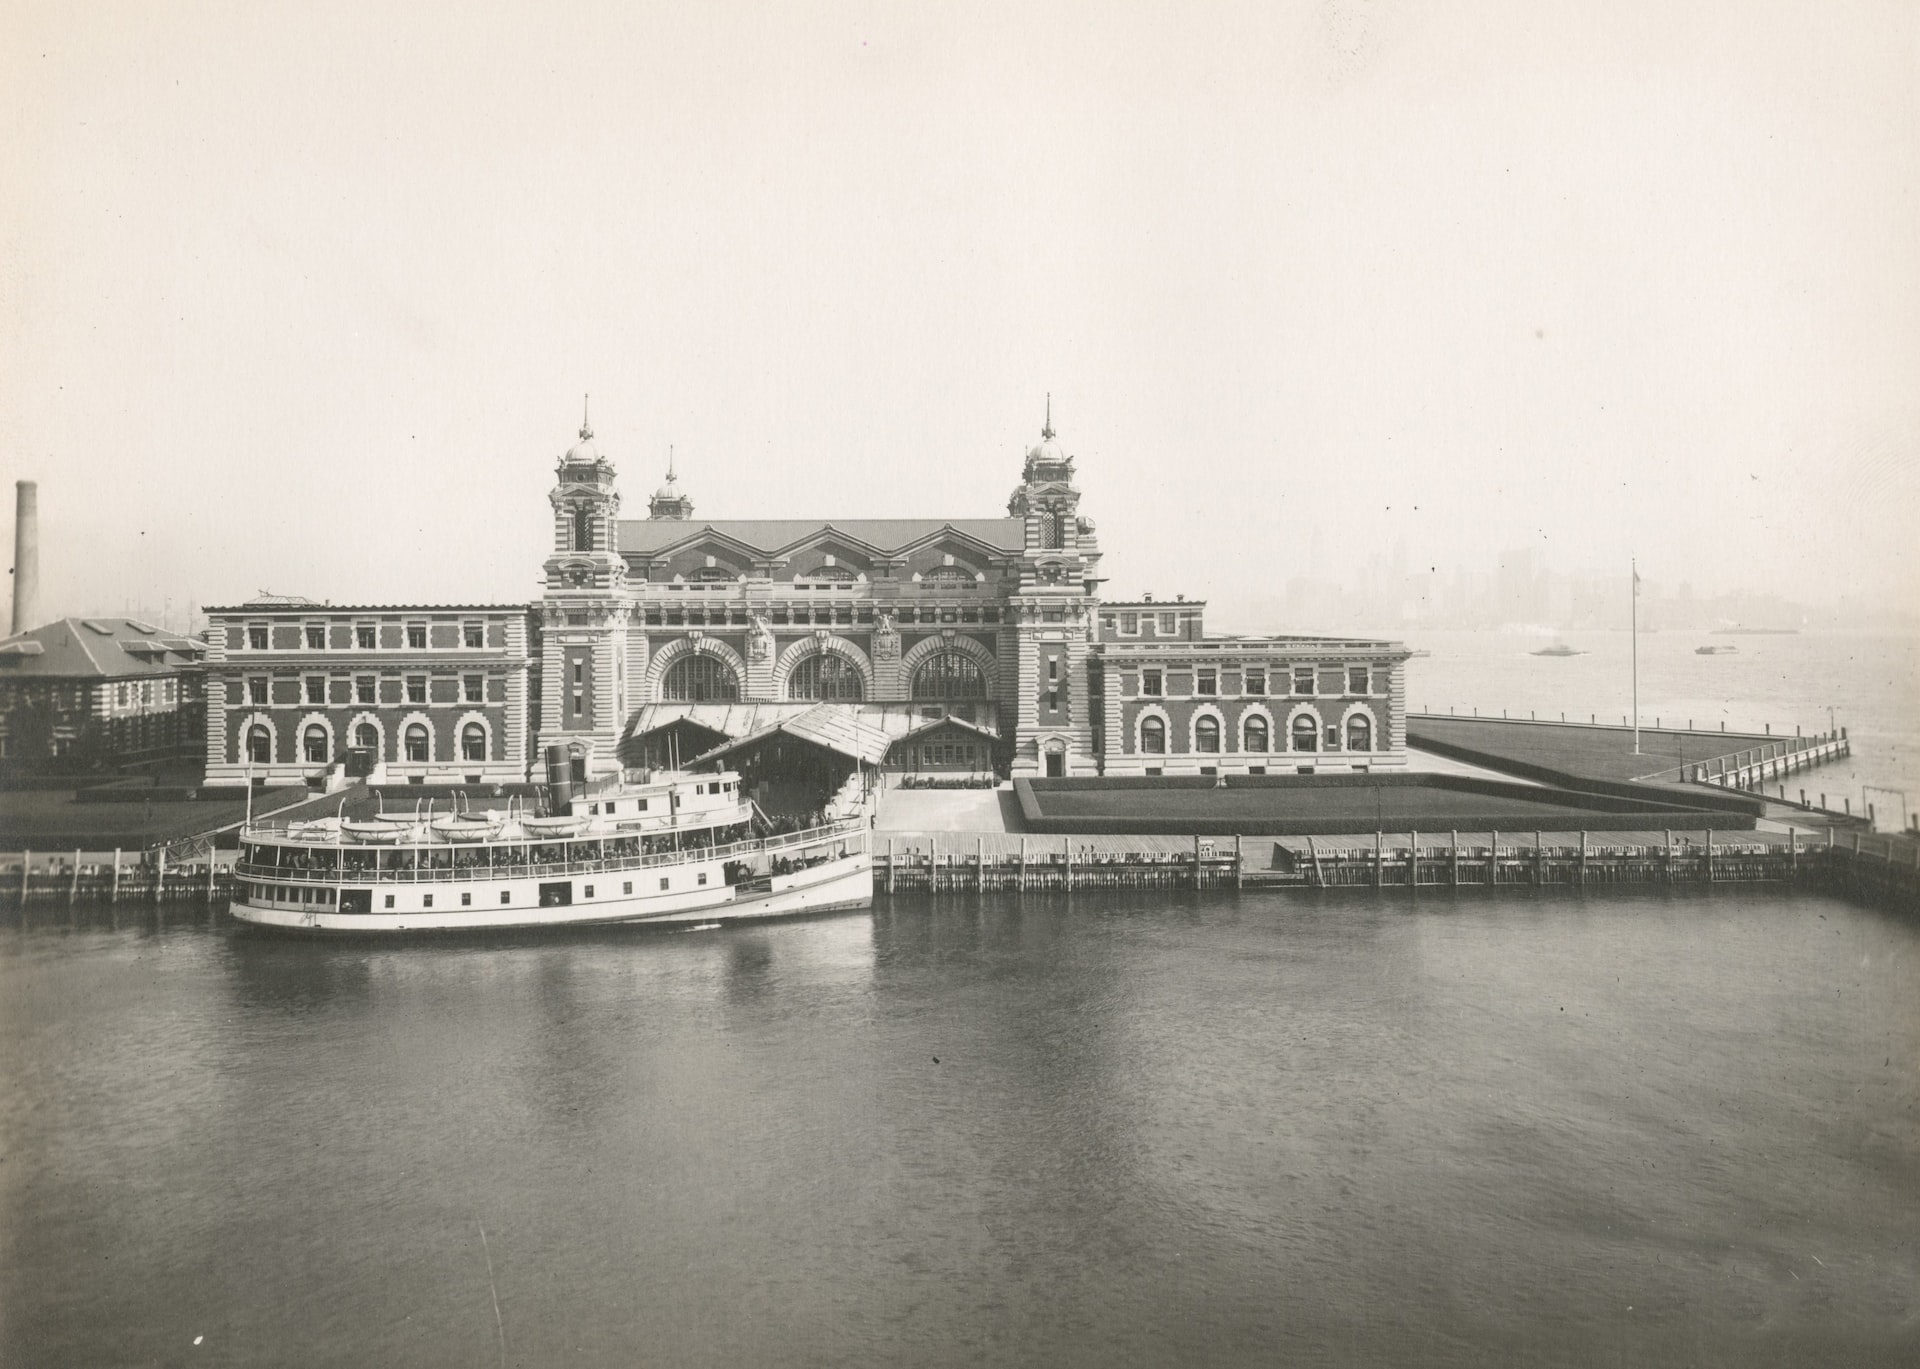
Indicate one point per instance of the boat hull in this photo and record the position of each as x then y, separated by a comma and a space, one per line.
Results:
836, 885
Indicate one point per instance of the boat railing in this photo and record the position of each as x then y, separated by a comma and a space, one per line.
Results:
606, 826
854, 831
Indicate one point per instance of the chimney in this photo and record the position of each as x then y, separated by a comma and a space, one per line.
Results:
26, 555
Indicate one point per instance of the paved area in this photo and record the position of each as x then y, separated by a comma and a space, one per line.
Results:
949, 810
1579, 749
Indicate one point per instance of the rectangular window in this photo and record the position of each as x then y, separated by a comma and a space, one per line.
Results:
426, 900
256, 689
1303, 679
256, 636
316, 689
1382, 681
474, 634
416, 636
1053, 667
663, 881
589, 892
627, 887
1169, 625
1209, 681
1130, 623
505, 896
364, 690
364, 636
1256, 682
416, 689
466, 900
316, 637
1151, 684
703, 876
1357, 679
474, 688
1106, 621
389, 900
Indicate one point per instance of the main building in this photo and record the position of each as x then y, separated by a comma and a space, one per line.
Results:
911, 645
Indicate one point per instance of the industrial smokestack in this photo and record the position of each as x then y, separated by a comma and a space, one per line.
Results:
26, 556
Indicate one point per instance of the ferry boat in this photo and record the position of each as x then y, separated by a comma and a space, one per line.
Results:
674, 848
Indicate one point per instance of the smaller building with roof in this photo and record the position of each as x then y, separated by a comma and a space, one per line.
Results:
84, 694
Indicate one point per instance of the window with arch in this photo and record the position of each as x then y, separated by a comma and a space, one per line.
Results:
473, 742
1359, 733
1256, 735
707, 575
700, 678
837, 574
583, 529
947, 575
259, 744
1306, 733
415, 741
826, 677
367, 736
1153, 736
949, 675
313, 742
1053, 529
1206, 733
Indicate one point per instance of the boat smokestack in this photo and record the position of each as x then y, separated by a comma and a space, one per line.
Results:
559, 779
26, 555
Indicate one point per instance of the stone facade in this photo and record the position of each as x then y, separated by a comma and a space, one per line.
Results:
299, 691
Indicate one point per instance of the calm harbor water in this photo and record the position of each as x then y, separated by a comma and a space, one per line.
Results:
1614, 1129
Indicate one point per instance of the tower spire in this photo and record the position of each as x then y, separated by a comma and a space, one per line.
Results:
586, 425
1046, 428
669, 461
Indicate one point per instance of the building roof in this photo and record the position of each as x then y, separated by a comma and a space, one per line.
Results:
291, 603
935, 724
737, 720
834, 727
97, 649
773, 535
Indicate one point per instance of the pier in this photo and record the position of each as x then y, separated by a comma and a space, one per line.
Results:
1856, 863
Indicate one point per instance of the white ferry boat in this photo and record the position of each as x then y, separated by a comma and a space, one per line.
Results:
666, 848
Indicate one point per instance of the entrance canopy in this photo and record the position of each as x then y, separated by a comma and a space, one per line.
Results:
828, 726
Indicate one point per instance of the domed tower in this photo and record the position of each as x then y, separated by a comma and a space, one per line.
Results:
1053, 612
585, 610
669, 501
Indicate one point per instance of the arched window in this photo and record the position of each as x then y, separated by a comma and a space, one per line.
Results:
947, 575
700, 678
1053, 529
827, 677
416, 741
1256, 734
708, 575
949, 675
1359, 733
837, 574
367, 736
260, 744
314, 742
473, 742
1306, 733
1153, 736
583, 529
1206, 733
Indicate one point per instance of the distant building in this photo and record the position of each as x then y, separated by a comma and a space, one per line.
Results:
1173, 701
91, 693
300, 691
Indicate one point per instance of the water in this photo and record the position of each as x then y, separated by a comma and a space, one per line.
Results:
1620, 1130
1866, 683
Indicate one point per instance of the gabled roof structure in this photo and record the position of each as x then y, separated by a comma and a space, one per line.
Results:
771, 536
830, 726
97, 649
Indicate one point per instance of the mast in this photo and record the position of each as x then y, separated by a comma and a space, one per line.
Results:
1634, 567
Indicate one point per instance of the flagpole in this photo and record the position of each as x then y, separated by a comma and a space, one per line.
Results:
1634, 567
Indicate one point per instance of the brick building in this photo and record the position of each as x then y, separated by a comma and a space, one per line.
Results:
300, 691
90, 693
1173, 701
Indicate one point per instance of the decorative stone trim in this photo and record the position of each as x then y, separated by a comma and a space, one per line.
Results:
1166, 729
246, 726
1373, 725
820, 644
1257, 711
692, 645
360, 720
300, 739
460, 738
400, 738
916, 655
1193, 729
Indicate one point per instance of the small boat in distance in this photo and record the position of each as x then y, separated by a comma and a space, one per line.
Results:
1559, 649
1715, 650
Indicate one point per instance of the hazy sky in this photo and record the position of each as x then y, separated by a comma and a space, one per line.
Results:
304, 297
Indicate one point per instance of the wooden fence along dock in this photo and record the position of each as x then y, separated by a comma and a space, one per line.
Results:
1764, 764
954, 862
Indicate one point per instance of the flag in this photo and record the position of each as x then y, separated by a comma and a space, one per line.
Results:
1636, 582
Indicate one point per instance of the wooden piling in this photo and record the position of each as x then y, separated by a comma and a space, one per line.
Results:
1710, 875
159, 871
73, 884
1379, 859
1413, 859
114, 897
26, 865
1454, 859
1239, 864
890, 864
1583, 856
1069, 867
